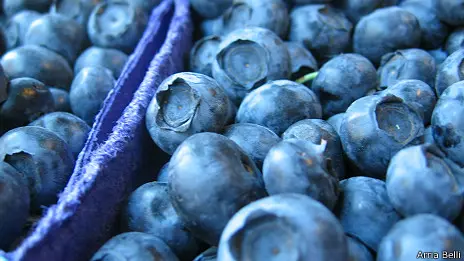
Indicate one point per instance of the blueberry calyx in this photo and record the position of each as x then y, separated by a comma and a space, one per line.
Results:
241, 243
245, 63
393, 118
177, 105
101, 9
19, 160
431, 150
448, 135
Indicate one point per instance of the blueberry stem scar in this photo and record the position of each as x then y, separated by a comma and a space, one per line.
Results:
308, 77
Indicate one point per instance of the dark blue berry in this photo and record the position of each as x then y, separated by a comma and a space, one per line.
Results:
247, 58
283, 227
420, 182
89, 90
112, 59
318, 27
254, 139
149, 210
185, 104
116, 25
14, 199
57, 33
135, 246
210, 179
43, 157
28, 99
39, 63
422, 236
68, 127
377, 34
278, 104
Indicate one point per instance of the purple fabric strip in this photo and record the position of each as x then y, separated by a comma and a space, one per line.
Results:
117, 149
129, 81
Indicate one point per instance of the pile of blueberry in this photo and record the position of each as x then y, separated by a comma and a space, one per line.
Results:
323, 130
59, 60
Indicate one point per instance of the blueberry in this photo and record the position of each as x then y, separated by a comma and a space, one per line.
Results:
357, 251
135, 246
43, 157
300, 166
416, 94
336, 121
419, 181
318, 27
269, 14
439, 55
426, 3
68, 127
375, 91
14, 199
203, 53
356, 9
11, 7
407, 64
342, 80
375, 128
301, 60
78, 10
434, 32
208, 255
57, 33
253, 139
89, 90
318, 131
384, 31
38, 63
278, 104
455, 40
283, 227
451, 11
458, 172
4, 83
185, 104
365, 210
428, 135
60, 99
17, 26
210, 179
450, 71
112, 59
163, 173
447, 125
211, 27
210, 9
424, 236
116, 25
247, 58
149, 210
27, 100
309, 2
